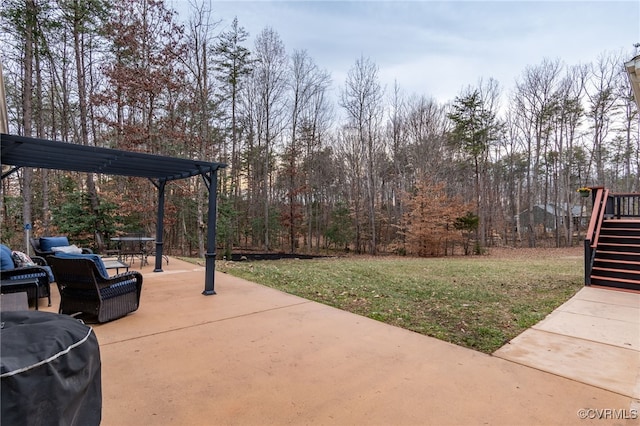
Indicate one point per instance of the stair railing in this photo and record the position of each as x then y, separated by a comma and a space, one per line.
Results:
601, 201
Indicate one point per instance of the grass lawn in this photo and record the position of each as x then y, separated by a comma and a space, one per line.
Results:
480, 302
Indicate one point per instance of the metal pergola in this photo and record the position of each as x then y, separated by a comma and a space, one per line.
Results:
20, 151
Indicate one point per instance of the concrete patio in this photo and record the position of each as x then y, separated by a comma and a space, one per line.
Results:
253, 355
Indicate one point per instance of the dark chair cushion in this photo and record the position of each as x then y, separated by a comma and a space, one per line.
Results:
6, 260
96, 259
46, 243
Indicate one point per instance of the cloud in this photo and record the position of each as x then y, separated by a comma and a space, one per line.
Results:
436, 48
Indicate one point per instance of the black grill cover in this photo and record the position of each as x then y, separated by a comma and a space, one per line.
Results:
50, 370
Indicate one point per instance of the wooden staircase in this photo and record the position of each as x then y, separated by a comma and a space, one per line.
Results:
616, 258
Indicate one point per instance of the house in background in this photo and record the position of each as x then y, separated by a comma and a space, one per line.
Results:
551, 217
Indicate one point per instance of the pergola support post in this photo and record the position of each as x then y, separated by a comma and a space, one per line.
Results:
210, 256
160, 226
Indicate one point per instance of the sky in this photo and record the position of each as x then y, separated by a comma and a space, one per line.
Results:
438, 48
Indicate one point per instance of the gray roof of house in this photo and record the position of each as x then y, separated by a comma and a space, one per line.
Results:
562, 210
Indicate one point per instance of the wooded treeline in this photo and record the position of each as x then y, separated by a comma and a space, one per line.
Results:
371, 169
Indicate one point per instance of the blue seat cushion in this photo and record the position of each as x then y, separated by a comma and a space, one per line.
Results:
46, 243
6, 260
49, 273
96, 259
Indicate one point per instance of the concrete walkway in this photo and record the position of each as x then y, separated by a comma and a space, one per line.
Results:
593, 338
256, 356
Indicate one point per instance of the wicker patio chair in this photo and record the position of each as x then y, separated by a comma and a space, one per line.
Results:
10, 274
87, 292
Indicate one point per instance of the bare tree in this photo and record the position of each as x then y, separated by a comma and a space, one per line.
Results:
308, 85
200, 42
145, 84
350, 155
532, 105
602, 103
426, 125
516, 171
396, 134
362, 100
27, 108
21, 18
84, 19
569, 115
628, 132
270, 80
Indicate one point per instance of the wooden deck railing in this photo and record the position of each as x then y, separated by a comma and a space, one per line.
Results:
606, 205
626, 205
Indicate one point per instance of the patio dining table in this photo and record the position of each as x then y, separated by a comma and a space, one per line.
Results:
133, 246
